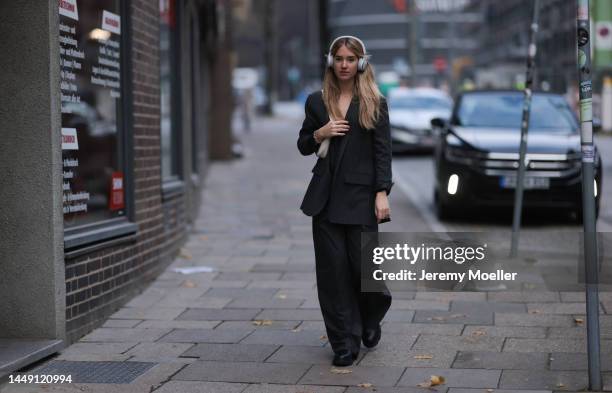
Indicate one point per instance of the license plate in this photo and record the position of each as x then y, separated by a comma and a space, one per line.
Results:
530, 183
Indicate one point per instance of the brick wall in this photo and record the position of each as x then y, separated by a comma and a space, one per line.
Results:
97, 284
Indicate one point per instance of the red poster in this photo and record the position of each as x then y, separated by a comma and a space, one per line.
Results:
116, 200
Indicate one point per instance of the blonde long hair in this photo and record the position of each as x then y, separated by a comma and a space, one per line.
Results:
365, 88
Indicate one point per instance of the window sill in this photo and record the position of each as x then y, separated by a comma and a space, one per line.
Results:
80, 241
172, 188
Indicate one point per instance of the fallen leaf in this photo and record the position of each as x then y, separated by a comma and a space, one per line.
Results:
479, 333
189, 284
365, 385
578, 321
185, 254
423, 357
323, 337
204, 237
434, 380
264, 322
335, 370
535, 312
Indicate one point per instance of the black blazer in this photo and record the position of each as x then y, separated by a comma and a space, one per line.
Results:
363, 165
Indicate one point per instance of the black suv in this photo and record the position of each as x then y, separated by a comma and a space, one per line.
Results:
476, 156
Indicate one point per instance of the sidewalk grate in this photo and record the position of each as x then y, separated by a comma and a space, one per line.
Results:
96, 372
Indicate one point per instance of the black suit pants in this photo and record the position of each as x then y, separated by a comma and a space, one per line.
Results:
346, 309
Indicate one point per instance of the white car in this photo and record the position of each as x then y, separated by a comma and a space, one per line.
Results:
410, 113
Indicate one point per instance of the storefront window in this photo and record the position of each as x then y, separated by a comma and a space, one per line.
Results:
168, 90
92, 133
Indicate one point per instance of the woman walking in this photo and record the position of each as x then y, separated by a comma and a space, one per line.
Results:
347, 126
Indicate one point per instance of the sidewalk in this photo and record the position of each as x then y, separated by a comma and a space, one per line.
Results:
253, 324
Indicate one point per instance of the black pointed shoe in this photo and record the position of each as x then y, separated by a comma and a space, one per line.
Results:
371, 336
343, 358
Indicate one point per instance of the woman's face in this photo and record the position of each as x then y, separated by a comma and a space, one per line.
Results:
345, 63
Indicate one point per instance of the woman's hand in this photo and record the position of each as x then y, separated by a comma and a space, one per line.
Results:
381, 206
333, 128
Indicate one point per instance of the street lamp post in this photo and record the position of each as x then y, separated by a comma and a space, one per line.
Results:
588, 196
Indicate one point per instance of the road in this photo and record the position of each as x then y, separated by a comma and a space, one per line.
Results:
414, 175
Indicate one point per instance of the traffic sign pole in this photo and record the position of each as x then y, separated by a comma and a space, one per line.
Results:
588, 196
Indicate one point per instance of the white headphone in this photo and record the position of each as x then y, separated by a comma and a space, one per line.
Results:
363, 61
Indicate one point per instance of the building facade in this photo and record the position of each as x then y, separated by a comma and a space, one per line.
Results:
509, 23
108, 124
424, 35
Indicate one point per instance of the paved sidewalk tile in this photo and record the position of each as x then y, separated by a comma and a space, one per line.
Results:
377, 376
259, 324
158, 350
505, 360
505, 331
87, 348
505, 319
201, 387
464, 306
116, 335
454, 378
302, 354
279, 284
264, 303
388, 355
543, 380
269, 388
523, 297
565, 361
544, 345
378, 389
284, 267
460, 343
240, 292
403, 304
286, 337
209, 314
246, 372
462, 390
121, 323
399, 316
473, 317
225, 336
444, 296
231, 352
178, 324
290, 315
160, 313
421, 328
557, 308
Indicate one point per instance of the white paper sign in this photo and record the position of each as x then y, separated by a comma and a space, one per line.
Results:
69, 139
69, 9
111, 22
